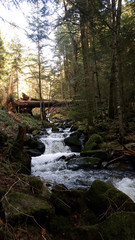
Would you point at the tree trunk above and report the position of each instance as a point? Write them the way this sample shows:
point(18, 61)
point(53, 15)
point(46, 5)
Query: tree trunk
point(112, 92)
point(116, 51)
point(88, 78)
point(42, 111)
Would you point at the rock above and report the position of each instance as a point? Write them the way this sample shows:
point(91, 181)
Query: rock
point(69, 157)
point(93, 142)
point(61, 208)
point(88, 218)
point(34, 146)
point(74, 142)
point(74, 199)
point(39, 187)
point(95, 153)
point(84, 163)
point(60, 226)
point(55, 129)
point(105, 199)
point(20, 206)
point(120, 225)
point(85, 233)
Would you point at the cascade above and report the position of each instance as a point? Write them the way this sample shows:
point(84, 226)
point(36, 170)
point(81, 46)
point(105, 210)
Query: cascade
point(52, 167)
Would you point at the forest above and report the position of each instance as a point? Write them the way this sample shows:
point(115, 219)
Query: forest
point(93, 58)
point(68, 66)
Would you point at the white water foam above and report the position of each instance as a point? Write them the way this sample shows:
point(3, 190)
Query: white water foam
point(127, 186)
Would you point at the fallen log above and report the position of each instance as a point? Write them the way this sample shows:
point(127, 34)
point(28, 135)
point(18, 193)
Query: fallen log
point(46, 104)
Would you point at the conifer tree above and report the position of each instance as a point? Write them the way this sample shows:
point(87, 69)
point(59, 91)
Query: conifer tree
point(38, 25)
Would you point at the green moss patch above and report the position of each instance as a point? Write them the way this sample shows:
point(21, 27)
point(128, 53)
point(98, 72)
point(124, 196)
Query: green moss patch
point(19, 206)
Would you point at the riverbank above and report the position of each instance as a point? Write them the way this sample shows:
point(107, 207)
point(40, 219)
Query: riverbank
point(29, 210)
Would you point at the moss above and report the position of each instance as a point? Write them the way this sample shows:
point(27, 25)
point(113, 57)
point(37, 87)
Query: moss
point(104, 199)
point(38, 187)
point(60, 225)
point(88, 218)
point(72, 200)
point(57, 116)
point(73, 140)
point(85, 232)
point(84, 163)
point(95, 153)
point(19, 206)
point(30, 122)
point(36, 184)
point(93, 142)
point(120, 225)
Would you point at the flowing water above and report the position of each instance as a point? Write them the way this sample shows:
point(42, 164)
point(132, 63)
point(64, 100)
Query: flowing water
point(52, 167)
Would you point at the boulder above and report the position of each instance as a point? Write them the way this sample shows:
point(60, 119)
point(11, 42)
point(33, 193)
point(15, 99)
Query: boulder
point(89, 232)
point(105, 199)
point(95, 153)
point(33, 146)
point(38, 187)
point(84, 163)
point(74, 142)
point(93, 142)
point(21, 206)
point(74, 200)
point(120, 225)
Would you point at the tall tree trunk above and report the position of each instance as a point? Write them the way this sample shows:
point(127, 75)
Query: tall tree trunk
point(116, 52)
point(88, 77)
point(112, 92)
point(42, 111)
point(112, 89)
point(67, 77)
point(40, 85)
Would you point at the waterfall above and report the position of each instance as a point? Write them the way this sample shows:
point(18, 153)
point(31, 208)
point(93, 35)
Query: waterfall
point(52, 167)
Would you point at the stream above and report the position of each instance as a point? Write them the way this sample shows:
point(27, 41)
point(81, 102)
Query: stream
point(52, 167)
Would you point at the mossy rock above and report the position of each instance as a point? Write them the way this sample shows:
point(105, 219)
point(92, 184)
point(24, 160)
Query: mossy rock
point(88, 218)
point(60, 226)
point(39, 187)
point(85, 233)
point(95, 153)
point(74, 142)
point(93, 142)
point(74, 200)
point(105, 199)
point(120, 225)
point(84, 163)
point(20, 206)
point(33, 146)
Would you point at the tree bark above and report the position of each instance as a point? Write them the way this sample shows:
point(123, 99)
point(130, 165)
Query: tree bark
point(116, 53)
point(88, 76)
